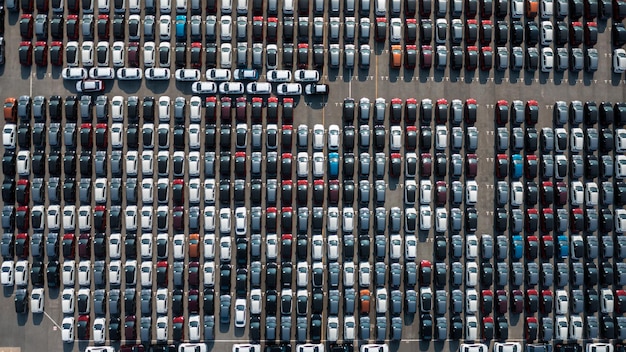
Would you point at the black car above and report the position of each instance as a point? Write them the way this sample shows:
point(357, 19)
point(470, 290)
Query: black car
point(21, 301)
point(53, 273)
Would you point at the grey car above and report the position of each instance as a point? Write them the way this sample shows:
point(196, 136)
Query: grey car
point(145, 329)
point(577, 301)
point(456, 220)
point(502, 139)
point(396, 302)
point(502, 274)
point(301, 328)
point(456, 301)
point(441, 300)
point(380, 191)
point(333, 302)
point(471, 139)
point(380, 161)
point(456, 168)
point(395, 275)
point(456, 192)
point(486, 246)
point(410, 302)
point(502, 193)
point(456, 274)
point(562, 274)
point(577, 274)
point(225, 309)
point(285, 328)
point(517, 274)
point(381, 328)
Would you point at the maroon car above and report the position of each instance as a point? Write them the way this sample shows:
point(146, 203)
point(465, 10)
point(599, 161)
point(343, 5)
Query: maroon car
point(84, 246)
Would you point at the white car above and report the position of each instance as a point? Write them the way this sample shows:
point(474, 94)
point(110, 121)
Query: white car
point(147, 169)
point(517, 194)
point(117, 135)
point(256, 301)
point(317, 247)
point(194, 191)
point(507, 346)
point(517, 9)
point(620, 166)
point(194, 329)
point(279, 76)
point(146, 274)
point(302, 168)
point(187, 75)
point(349, 272)
point(425, 217)
point(576, 327)
point(101, 73)
point(619, 60)
point(232, 88)
point(592, 194)
point(9, 135)
point(84, 218)
point(67, 301)
point(115, 245)
point(208, 270)
point(117, 54)
point(471, 247)
point(226, 53)
point(620, 140)
point(164, 108)
point(471, 278)
point(204, 88)
point(471, 189)
point(577, 139)
point(7, 273)
point(99, 334)
point(67, 330)
point(410, 247)
point(149, 54)
point(209, 246)
point(318, 164)
point(162, 296)
point(307, 76)
point(426, 189)
point(84, 273)
point(259, 88)
point(161, 323)
point(23, 163)
point(561, 327)
point(225, 249)
point(209, 191)
point(471, 301)
point(179, 247)
point(333, 247)
point(561, 303)
point(318, 137)
point(332, 334)
point(88, 86)
point(395, 247)
point(332, 221)
point(218, 75)
point(165, 27)
point(271, 246)
point(302, 274)
point(86, 53)
point(348, 219)
point(68, 275)
point(241, 221)
point(53, 217)
point(157, 74)
point(607, 301)
point(147, 185)
point(349, 328)
point(441, 219)
point(599, 347)
point(471, 329)
point(547, 33)
point(226, 24)
point(146, 238)
point(117, 108)
point(333, 137)
point(547, 59)
point(240, 312)
point(577, 193)
point(364, 274)
point(382, 300)
point(134, 74)
point(289, 89)
point(225, 220)
point(209, 218)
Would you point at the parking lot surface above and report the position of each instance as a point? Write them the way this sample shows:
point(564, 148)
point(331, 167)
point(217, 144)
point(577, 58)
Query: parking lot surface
point(449, 92)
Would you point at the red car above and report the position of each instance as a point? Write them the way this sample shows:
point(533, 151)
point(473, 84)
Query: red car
point(241, 109)
point(257, 29)
point(193, 276)
point(83, 327)
point(426, 57)
point(103, 26)
point(517, 301)
point(547, 247)
point(41, 54)
point(196, 55)
point(471, 31)
point(84, 246)
point(471, 165)
point(286, 136)
point(162, 273)
point(547, 220)
point(486, 304)
point(26, 26)
point(532, 246)
point(471, 57)
point(100, 218)
point(395, 163)
point(441, 195)
point(226, 110)
point(257, 109)
point(410, 110)
point(130, 328)
point(395, 110)
point(487, 328)
point(179, 218)
point(193, 300)
point(22, 218)
point(133, 54)
point(272, 29)
point(469, 111)
point(410, 138)
point(333, 192)
point(26, 53)
point(426, 163)
point(486, 58)
point(561, 193)
point(303, 55)
point(547, 193)
point(69, 246)
point(22, 245)
point(546, 301)
point(71, 27)
point(56, 53)
point(531, 329)
point(102, 136)
point(210, 105)
point(485, 32)
point(532, 112)
point(287, 110)
point(23, 192)
point(86, 135)
point(502, 166)
point(502, 112)
point(501, 301)
point(426, 269)
point(620, 305)
point(532, 301)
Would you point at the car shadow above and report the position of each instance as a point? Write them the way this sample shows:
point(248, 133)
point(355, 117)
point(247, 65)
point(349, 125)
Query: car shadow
point(37, 318)
point(157, 87)
point(8, 291)
point(26, 72)
point(129, 86)
point(616, 79)
point(22, 319)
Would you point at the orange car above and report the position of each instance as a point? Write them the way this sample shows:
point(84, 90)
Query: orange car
point(532, 6)
point(10, 110)
point(194, 245)
point(396, 56)
point(364, 297)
